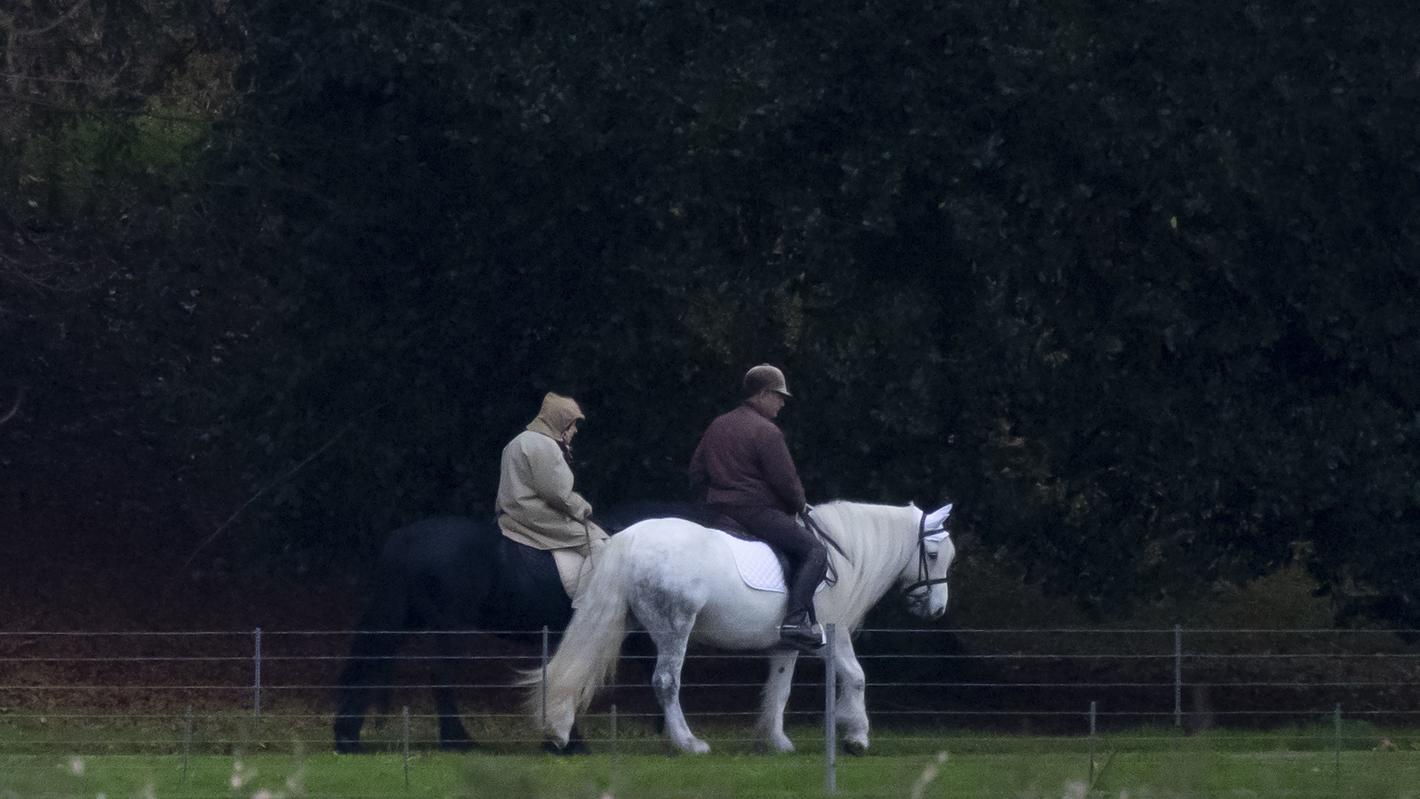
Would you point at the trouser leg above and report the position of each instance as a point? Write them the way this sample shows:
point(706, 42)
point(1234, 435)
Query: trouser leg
point(808, 559)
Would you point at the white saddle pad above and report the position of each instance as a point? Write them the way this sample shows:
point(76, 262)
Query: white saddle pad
point(757, 565)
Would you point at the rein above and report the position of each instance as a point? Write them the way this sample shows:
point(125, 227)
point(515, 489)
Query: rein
point(831, 578)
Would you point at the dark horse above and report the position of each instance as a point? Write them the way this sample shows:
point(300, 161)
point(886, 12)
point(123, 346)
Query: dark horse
point(452, 574)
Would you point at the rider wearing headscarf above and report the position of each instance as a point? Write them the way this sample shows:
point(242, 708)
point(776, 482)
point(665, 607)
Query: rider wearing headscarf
point(537, 505)
point(742, 469)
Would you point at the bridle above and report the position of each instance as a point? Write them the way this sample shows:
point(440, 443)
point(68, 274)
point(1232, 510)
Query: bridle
point(924, 533)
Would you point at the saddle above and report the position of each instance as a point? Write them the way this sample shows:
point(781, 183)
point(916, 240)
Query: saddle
point(732, 528)
point(626, 514)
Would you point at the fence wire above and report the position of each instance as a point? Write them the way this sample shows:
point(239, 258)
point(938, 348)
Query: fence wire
point(130, 696)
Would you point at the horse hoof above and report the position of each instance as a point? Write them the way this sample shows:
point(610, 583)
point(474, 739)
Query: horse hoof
point(695, 747)
point(775, 746)
point(855, 747)
point(348, 746)
point(570, 748)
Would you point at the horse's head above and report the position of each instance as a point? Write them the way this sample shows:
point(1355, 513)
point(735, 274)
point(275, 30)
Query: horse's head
point(924, 577)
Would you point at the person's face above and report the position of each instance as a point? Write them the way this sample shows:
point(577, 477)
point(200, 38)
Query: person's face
point(570, 432)
point(769, 403)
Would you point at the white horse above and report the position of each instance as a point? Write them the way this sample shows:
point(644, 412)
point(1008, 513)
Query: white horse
point(680, 581)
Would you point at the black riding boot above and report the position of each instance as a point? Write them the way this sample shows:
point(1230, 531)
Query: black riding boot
point(799, 629)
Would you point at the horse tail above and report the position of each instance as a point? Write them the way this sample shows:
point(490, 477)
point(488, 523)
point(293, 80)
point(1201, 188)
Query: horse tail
point(587, 654)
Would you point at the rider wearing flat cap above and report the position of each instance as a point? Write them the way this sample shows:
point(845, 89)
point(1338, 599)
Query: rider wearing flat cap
point(742, 469)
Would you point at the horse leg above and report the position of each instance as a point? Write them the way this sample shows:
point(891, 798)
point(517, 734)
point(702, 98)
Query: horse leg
point(669, 628)
point(453, 736)
point(368, 665)
point(451, 601)
point(642, 653)
point(769, 732)
point(852, 712)
point(370, 662)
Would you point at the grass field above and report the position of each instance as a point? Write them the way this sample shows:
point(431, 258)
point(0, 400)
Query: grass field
point(1154, 774)
point(1140, 763)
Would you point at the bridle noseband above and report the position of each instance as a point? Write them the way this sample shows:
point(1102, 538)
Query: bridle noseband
point(923, 534)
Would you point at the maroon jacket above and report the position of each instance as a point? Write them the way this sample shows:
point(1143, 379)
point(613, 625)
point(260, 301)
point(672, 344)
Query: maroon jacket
point(742, 460)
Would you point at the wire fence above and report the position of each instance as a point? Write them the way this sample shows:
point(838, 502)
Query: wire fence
point(1080, 692)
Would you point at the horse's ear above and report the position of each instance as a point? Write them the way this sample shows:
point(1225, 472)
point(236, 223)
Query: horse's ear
point(938, 518)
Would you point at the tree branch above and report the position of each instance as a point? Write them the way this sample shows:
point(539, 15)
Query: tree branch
point(43, 29)
point(14, 409)
point(275, 482)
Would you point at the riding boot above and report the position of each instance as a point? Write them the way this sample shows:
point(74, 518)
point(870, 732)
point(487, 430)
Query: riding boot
point(799, 632)
point(800, 629)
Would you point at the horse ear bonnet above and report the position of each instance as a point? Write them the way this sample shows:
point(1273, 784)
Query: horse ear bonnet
point(937, 519)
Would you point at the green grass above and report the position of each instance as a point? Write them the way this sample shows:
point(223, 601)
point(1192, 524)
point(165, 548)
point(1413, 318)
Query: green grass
point(1181, 773)
point(1136, 763)
point(438, 775)
point(1354, 775)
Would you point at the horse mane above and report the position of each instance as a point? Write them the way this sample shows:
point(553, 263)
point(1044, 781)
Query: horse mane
point(877, 545)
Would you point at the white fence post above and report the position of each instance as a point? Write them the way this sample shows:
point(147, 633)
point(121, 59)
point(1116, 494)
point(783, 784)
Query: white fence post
point(830, 716)
point(186, 744)
point(615, 755)
point(1336, 735)
point(406, 746)
point(1177, 675)
point(1091, 781)
point(256, 674)
point(544, 679)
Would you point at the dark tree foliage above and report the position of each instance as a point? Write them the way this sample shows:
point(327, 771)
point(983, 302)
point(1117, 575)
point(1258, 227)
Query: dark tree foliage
point(109, 270)
point(628, 203)
point(1195, 327)
point(1130, 282)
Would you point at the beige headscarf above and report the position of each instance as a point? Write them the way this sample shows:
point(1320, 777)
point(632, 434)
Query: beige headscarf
point(557, 414)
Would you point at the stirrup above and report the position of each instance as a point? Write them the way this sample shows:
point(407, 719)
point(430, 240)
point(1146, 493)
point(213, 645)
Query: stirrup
point(803, 637)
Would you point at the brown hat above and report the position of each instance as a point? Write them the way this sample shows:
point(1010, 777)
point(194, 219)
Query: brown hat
point(559, 412)
point(765, 378)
